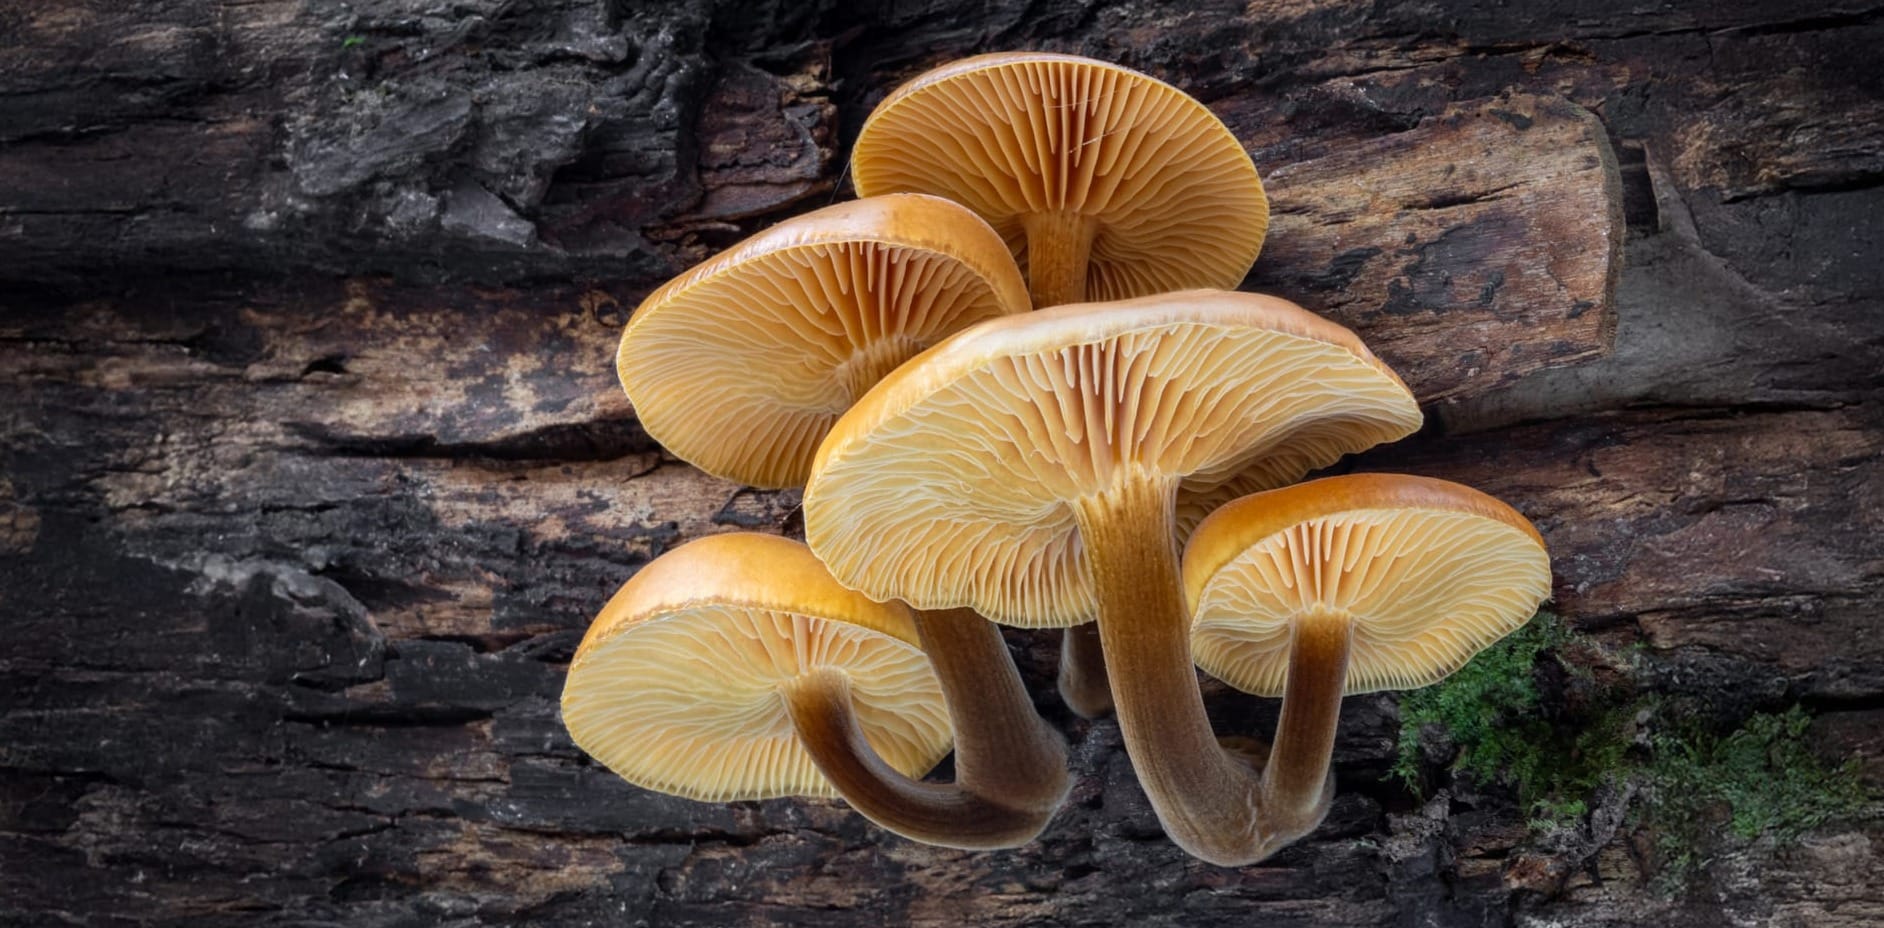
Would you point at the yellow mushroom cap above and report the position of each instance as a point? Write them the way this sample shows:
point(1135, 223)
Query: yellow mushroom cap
point(1429, 573)
point(742, 364)
point(1175, 197)
point(952, 482)
point(677, 685)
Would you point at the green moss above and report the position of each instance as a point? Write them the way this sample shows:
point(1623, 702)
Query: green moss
point(1491, 709)
point(1760, 779)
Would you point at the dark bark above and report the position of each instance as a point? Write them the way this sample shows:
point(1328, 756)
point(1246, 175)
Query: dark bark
point(291, 565)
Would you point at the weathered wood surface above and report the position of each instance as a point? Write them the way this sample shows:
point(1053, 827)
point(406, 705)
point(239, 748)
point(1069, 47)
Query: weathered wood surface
point(489, 153)
point(291, 567)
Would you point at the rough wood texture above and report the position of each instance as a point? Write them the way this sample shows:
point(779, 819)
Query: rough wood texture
point(291, 565)
point(486, 150)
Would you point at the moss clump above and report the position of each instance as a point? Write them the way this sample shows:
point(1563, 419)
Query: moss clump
point(1492, 709)
point(1762, 778)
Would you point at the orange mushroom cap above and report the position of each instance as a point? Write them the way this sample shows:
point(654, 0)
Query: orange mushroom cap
point(952, 482)
point(1163, 190)
point(1428, 573)
point(678, 685)
point(741, 365)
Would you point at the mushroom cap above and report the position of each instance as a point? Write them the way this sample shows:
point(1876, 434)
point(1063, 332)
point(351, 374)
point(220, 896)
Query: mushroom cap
point(677, 685)
point(1176, 198)
point(742, 364)
point(952, 483)
point(1429, 572)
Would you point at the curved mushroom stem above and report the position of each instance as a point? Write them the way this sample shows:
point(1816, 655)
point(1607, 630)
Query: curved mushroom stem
point(1211, 803)
point(1010, 767)
point(1059, 247)
point(1083, 683)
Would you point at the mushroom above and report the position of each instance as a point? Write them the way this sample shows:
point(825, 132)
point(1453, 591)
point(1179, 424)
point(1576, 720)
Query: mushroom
point(741, 365)
point(1351, 585)
point(1028, 468)
point(1107, 184)
point(736, 667)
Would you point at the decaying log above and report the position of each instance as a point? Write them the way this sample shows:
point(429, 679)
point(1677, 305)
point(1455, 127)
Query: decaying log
point(282, 638)
point(1492, 228)
point(291, 563)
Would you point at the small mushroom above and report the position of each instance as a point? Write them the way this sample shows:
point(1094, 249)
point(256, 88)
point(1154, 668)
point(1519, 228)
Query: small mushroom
point(1106, 183)
point(1028, 468)
point(735, 667)
point(1351, 585)
point(741, 365)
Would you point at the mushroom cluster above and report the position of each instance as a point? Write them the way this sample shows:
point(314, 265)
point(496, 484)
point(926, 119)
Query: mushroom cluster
point(1014, 385)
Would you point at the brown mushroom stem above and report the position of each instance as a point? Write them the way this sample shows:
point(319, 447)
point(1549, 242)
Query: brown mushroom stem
point(1298, 782)
point(1010, 767)
point(1003, 748)
point(1209, 801)
point(1059, 245)
point(1083, 684)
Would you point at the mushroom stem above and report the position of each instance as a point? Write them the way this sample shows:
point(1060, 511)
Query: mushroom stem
point(1297, 782)
point(1083, 684)
point(1010, 767)
point(1059, 245)
point(1003, 748)
point(1208, 800)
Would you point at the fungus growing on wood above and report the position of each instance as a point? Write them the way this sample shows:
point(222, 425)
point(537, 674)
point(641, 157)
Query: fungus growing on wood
point(1028, 468)
point(1350, 585)
point(741, 365)
point(736, 667)
point(1106, 183)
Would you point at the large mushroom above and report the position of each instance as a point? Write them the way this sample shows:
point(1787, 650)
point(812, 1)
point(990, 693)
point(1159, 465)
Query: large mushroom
point(1107, 184)
point(735, 667)
point(1028, 468)
point(1350, 585)
point(742, 364)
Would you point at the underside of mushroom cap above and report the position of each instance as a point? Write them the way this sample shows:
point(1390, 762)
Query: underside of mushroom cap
point(1175, 200)
point(952, 482)
point(741, 365)
point(677, 686)
point(1427, 572)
